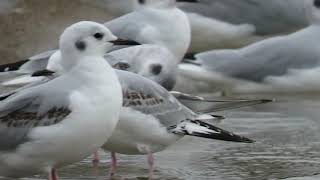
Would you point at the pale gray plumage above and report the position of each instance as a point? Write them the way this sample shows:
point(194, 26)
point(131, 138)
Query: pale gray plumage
point(149, 98)
point(269, 17)
point(149, 25)
point(28, 109)
point(271, 57)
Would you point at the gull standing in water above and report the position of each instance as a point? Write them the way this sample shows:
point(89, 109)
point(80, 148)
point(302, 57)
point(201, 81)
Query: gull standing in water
point(289, 63)
point(152, 119)
point(64, 120)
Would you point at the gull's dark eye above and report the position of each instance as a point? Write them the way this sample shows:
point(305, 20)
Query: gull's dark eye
point(156, 69)
point(317, 3)
point(142, 1)
point(98, 36)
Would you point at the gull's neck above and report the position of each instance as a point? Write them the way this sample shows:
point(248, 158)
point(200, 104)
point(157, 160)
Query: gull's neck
point(93, 70)
point(162, 5)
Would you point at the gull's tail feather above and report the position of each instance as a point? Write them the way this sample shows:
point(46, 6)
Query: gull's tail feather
point(215, 105)
point(13, 66)
point(233, 105)
point(11, 70)
point(20, 81)
point(189, 56)
point(210, 118)
point(199, 128)
point(23, 67)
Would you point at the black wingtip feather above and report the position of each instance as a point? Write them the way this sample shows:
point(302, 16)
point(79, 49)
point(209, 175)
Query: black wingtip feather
point(190, 56)
point(12, 66)
point(223, 135)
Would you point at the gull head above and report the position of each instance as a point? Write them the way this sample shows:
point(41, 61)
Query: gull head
point(158, 64)
point(312, 9)
point(161, 3)
point(164, 73)
point(86, 38)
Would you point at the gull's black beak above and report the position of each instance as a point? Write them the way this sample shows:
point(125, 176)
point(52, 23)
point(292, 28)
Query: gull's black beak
point(188, 1)
point(124, 42)
point(44, 72)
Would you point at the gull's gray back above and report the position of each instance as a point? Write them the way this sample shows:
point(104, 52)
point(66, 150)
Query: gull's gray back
point(129, 26)
point(271, 57)
point(150, 98)
point(269, 17)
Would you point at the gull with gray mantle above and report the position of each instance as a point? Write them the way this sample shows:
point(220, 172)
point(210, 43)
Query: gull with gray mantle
point(41, 126)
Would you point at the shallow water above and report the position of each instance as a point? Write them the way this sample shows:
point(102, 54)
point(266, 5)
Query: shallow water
point(287, 147)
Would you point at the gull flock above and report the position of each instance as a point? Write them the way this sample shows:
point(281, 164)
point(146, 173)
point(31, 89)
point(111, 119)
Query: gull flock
point(110, 85)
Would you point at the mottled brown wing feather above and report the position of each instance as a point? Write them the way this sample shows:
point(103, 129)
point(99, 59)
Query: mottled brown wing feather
point(135, 99)
point(21, 118)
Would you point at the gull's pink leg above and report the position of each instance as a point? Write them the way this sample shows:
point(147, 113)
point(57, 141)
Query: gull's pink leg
point(113, 164)
point(151, 165)
point(96, 159)
point(53, 175)
point(95, 162)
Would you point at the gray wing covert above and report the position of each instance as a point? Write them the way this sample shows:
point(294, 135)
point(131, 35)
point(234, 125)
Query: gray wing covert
point(131, 27)
point(273, 57)
point(150, 98)
point(22, 112)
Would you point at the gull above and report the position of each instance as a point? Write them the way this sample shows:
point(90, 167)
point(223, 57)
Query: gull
point(41, 126)
point(167, 25)
point(152, 119)
point(269, 18)
point(286, 63)
point(157, 22)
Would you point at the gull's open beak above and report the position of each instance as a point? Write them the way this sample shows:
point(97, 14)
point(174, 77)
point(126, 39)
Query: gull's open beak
point(188, 1)
point(124, 42)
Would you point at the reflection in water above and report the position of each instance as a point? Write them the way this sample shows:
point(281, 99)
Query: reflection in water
point(287, 147)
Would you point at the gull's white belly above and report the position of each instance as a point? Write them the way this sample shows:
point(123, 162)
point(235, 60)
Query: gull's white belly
point(137, 133)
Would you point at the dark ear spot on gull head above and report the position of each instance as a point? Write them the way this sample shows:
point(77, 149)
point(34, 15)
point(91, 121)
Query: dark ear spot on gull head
point(142, 1)
point(188, 1)
point(316, 3)
point(80, 45)
point(156, 69)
